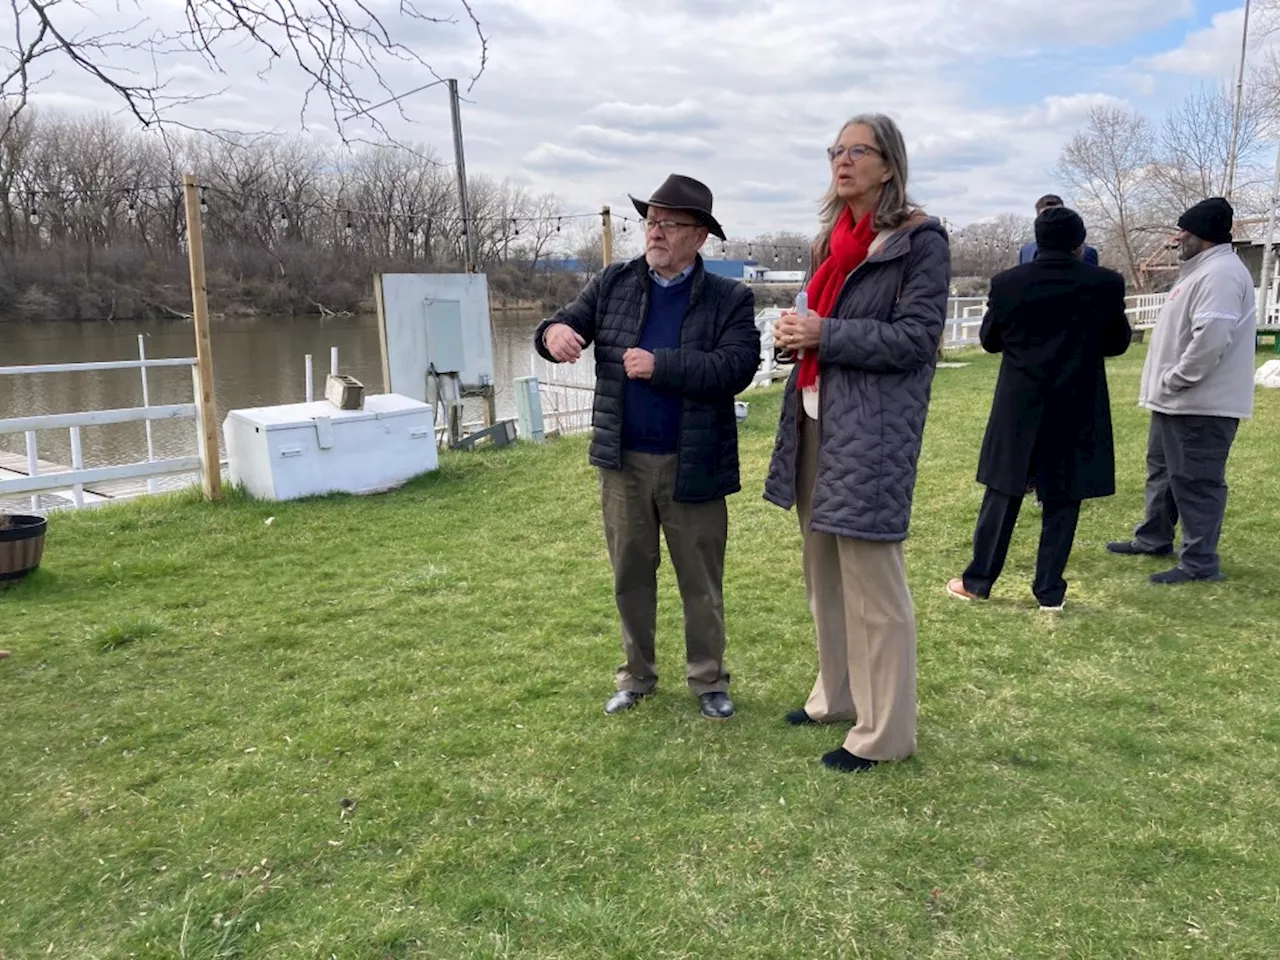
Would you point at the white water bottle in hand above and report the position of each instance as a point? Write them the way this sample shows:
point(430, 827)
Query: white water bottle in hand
point(802, 310)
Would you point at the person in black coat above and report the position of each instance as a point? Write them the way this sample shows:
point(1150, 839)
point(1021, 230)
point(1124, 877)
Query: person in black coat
point(1054, 319)
point(673, 345)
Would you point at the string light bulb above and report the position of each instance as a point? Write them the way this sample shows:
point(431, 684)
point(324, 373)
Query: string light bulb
point(204, 201)
point(34, 217)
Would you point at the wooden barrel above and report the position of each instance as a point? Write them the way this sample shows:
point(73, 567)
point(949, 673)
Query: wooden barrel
point(21, 544)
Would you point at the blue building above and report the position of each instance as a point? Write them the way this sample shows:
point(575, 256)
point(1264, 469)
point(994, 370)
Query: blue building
point(734, 269)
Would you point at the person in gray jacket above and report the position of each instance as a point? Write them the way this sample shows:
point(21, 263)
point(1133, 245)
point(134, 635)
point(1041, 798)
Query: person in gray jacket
point(849, 437)
point(1198, 384)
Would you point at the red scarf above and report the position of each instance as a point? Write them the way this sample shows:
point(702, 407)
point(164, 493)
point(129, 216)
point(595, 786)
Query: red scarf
point(849, 247)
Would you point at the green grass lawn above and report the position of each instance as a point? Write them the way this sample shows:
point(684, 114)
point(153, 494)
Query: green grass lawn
point(374, 728)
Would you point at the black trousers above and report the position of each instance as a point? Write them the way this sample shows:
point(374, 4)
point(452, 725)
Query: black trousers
point(996, 520)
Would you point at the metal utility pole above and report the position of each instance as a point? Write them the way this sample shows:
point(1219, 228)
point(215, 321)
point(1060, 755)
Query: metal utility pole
point(464, 208)
point(1235, 120)
point(1268, 252)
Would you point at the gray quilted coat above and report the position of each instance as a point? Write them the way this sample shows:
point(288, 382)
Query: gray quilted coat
point(878, 354)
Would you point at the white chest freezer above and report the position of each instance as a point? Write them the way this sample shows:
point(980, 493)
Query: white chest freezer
point(304, 449)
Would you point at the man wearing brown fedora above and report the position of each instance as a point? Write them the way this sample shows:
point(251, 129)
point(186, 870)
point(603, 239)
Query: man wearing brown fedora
point(674, 345)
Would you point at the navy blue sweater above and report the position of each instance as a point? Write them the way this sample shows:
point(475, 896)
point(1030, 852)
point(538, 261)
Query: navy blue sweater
point(651, 418)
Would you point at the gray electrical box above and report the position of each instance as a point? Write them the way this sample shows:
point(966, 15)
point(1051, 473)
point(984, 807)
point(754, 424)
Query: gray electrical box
point(446, 350)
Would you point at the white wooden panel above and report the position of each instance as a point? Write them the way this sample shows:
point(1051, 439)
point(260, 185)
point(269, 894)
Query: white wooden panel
point(402, 327)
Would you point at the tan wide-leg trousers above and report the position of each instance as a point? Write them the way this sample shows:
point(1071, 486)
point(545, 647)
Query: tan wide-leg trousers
point(866, 626)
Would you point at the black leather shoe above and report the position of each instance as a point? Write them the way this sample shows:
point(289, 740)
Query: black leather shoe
point(1178, 575)
point(800, 718)
point(623, 700)
point(716, 706)
point(1131, 548)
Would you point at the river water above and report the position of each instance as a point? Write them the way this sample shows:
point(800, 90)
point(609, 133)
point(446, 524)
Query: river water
point(258, 362)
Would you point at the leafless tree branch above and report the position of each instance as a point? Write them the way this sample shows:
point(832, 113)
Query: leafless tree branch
point(345, 49)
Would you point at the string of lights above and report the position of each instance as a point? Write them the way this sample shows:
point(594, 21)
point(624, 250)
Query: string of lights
point(799, 250)
point(286, 209)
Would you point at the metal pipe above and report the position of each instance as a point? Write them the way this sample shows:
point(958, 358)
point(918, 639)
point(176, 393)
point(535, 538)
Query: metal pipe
point(33, 467)
point(1268, 252)
point(77, 463)
point(146, 402)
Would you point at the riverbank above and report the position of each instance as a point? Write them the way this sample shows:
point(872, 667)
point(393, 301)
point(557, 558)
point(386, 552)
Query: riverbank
point(137, 286)
point(372, 727)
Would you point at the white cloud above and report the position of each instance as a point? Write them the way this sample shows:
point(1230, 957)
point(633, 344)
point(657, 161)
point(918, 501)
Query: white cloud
point(1071, 111)
point(1210, 52)
point(565, 161)
point(684, 115)
point(594, 99)
point(654, 143)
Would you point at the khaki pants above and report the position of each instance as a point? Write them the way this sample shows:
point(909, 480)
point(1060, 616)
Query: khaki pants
point(866, 628)
point(638, 501)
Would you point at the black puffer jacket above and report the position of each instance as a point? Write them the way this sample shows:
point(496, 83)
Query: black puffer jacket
point(718, 356)
point(878, 354)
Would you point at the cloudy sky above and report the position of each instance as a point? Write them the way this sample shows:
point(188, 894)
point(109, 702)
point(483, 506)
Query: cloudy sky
point(595, 99)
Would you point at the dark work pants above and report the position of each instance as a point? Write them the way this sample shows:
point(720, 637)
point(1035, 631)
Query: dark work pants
point(996, 520)
point(1186, 481)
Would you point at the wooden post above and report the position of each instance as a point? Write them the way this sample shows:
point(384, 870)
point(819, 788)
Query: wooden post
point(212, 474)
point(607, 217)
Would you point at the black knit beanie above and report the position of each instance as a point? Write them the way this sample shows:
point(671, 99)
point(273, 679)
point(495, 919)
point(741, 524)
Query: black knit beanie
point(1059, 228)
point(1209, 220)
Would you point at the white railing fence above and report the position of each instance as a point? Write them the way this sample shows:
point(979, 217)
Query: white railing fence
point(1144, 309)
point(566, 391)
point(1272, 320)
point(69, 483)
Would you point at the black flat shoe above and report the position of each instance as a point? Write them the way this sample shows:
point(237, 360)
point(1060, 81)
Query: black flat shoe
point(799, 718)
point(846, 762)
point(1131, 548)
point(1178, 575)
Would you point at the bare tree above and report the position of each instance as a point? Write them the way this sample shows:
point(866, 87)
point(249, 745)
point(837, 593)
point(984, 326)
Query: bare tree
point(1109, 165)
point(985, 248)
point(1194, 141)
point(343, 49)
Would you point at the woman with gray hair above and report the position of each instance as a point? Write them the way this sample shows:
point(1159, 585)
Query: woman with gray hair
point(849, 437)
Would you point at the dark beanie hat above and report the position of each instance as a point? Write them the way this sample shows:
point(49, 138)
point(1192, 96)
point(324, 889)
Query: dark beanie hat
point(1209, 220)
point(1059, 228)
